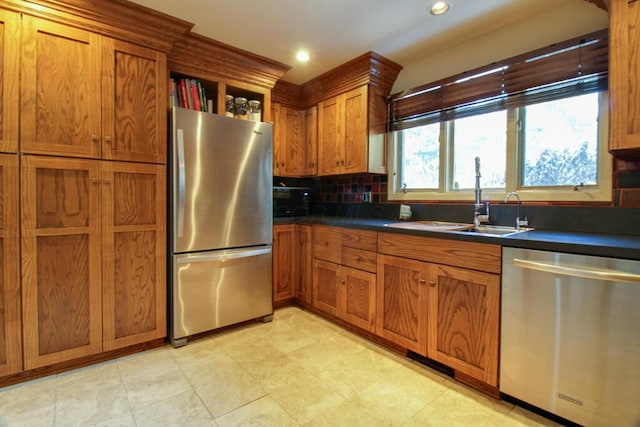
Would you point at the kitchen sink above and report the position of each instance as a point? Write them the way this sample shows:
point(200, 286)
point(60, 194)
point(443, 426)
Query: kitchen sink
point(448, 227)
point(497, 230)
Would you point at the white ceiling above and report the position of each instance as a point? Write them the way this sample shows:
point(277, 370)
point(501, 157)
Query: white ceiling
point(335, 31)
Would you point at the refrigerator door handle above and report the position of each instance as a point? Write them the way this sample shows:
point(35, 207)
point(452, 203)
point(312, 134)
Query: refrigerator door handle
point(222, 257)
point(181, 182)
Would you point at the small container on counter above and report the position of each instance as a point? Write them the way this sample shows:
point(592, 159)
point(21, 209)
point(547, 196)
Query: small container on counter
point(255, 112)
point(229, 108)
point(241, 108)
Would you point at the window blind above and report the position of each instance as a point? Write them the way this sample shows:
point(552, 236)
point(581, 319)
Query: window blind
point(572, 67)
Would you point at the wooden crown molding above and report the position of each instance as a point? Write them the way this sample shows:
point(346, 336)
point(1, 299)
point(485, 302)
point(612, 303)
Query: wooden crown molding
point(215, 58)
point(119, 19)
point(369, 68)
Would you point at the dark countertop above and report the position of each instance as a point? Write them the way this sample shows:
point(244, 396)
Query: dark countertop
point(597, 244)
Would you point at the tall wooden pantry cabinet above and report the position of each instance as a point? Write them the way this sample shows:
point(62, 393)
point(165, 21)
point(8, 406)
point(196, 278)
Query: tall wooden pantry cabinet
point(86, 91)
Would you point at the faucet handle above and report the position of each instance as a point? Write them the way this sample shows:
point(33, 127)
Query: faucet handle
point(483, 217)
point(522, 222)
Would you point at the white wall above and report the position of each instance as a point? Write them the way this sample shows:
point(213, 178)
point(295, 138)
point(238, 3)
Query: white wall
point(571, 20)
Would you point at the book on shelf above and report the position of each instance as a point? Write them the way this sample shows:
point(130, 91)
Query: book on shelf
point(188, 93)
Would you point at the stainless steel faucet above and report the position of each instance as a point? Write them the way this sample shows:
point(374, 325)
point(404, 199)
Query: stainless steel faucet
point(478, 215)
point(518, 221)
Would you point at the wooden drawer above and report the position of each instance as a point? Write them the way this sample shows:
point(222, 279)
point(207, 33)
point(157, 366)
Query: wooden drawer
point(360, 259)
point(476, 256)
point(327, 243)
point(360, 239)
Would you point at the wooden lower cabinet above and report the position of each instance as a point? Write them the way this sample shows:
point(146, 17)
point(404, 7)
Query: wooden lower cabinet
point(304, 250)
point(10, 310)
point(401, 314)
point(345, 292)
point(92, 257)
point(284, 261)
point(463, 321)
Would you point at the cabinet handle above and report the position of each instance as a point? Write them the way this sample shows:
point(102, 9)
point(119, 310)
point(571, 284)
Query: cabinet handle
point(95, 181)
point(107, 181)
point(432, 284)
point(95, 138)
point(422, 281)
point(108, 139)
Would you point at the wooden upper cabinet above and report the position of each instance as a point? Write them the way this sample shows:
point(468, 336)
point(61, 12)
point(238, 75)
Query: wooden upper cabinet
point(84, 95)
point(133, 253)
point(134, 103)
point(9, 80)
point(624, 77)
point(61, 285)
point(292, 157)
point(344, 144)
point(60, 90)
point(310, 145)
point(10, 310)
point(464, 317)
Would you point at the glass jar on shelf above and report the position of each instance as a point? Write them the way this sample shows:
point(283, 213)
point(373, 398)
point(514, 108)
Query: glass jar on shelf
point(255, 112)
point(229, 107)
point(241, 107)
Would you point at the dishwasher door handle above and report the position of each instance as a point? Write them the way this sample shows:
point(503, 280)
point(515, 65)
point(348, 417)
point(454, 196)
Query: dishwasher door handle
point(585, 273)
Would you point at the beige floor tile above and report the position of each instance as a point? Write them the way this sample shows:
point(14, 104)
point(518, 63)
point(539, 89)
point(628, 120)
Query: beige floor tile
point(123, 420)
point(347, 413)
point(82, 382)
point(263, 412)
point(143, 390)
point(306, 398)
point(100, 404)
point(418, 383)
point(204, 370)
point(275, 373)
point(146, 363)
point(40, 416)
point(229, 391)
point(387, 403)
point(520, 417)
point(317, 357)
point(250, 348)
point(27, 397)
point(453, 408)
point(184, 409)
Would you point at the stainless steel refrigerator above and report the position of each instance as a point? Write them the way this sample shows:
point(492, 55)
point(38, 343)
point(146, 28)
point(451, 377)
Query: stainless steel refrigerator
point(221, 222)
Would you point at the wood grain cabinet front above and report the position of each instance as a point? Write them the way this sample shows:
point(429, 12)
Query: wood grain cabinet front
point(284, 262)
point(624, 77)
point(463, 321)
point(92, 257)
point(9, 80)
point(10, 310)
point(86, 95)
point(304, 251)
point(294, 142)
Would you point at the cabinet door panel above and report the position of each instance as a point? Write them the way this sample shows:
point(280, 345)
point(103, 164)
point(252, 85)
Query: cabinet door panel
point(464, 320)
point(10, 311)
point(134, 253)
point(331, 137)
point(134, 99)
point(325, 286)
point(284, 259)
point(61, 298)
point(9, 80)
point(60, 90)
point(359, 298)
point(402, 302)
point(355, 131)
point(310, 146)
point(293, 141)
point(305, 263)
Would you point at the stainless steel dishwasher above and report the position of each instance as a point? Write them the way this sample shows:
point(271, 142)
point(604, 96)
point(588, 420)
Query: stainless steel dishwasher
point(570, 335)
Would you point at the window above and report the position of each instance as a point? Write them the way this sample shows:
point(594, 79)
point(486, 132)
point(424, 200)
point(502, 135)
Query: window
point(546, 138)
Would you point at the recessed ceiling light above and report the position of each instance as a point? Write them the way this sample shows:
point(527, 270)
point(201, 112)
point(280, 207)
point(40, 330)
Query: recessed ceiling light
point(438, 8)
point(302, 56)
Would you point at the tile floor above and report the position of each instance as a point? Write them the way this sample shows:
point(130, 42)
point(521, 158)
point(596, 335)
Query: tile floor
point(299, 370)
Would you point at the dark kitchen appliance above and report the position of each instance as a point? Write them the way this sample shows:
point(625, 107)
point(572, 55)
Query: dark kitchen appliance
point(291, 201)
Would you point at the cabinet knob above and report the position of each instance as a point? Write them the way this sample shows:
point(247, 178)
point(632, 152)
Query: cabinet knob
point(95, 180)
point(422, 281)
point(107, 181)
point(108, 139)
point(342, 162)
point(95, 138)
point(432, 284)
point(337, 162)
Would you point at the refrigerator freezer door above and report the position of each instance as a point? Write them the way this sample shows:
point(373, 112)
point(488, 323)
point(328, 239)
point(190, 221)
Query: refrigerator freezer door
point(220, 288)
point(222, 182)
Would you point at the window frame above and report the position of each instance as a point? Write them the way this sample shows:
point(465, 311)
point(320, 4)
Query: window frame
point(601, 192)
